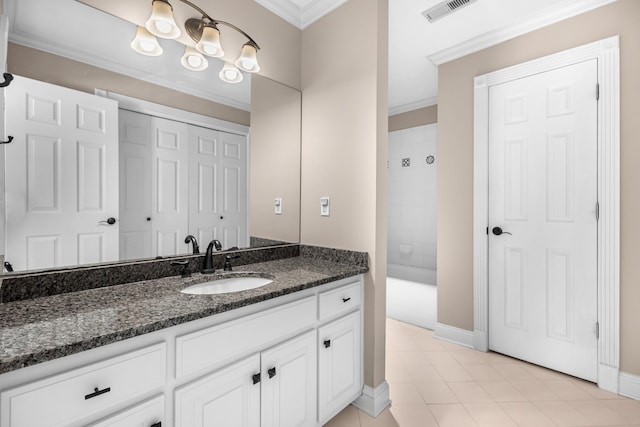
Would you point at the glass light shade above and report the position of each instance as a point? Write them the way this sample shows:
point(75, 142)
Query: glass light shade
point(161, 22)
point(193, 60)
point(230, 74)
point(209, 43)
point(146, 43)
point(248, 60)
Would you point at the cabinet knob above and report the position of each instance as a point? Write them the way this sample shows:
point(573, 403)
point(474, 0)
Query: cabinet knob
point(158, 424)
point(272, 372)
point(346, 299)
point(327, 343)
point(256, 378)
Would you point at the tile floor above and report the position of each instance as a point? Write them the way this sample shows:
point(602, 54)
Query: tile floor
point(437, 383)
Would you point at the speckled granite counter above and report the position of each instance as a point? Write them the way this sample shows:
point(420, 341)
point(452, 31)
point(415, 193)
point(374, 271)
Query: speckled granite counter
point(41, 329)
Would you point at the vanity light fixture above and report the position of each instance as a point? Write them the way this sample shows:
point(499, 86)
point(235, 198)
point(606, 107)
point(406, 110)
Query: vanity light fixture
point(206, 35)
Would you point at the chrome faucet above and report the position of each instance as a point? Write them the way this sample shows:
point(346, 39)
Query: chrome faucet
point(207, 263)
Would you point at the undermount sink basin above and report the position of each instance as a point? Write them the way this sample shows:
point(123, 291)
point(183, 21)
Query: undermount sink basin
point(223, 286)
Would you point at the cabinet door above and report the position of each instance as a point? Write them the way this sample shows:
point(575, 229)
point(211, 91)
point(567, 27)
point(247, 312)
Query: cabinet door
point(339, 364)
point(227, 398)
point(289, 383)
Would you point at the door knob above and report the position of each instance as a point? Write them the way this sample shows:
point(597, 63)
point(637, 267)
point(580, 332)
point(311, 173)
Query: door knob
point(109, 221)
point(498, 231)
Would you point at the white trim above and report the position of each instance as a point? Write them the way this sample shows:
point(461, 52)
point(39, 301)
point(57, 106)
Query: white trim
point(547, 17)
point(608, 378)
point(630, 385)
point(416, 105)
point(299, 17)
point(607, 53)
point(165, 112)
point(373, 401)
point(455, 335)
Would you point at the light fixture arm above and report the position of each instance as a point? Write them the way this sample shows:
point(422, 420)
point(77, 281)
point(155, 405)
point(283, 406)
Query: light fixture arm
point(195, 36)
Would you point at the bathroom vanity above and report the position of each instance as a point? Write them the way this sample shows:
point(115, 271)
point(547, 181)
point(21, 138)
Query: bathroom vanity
point(145, 354)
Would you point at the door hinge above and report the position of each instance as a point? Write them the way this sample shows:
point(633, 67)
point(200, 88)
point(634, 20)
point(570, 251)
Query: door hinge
point(597, 91)
point(597, 211)
point(597, 330)
point(487, 231)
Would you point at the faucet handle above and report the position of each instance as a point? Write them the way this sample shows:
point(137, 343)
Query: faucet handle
point(186, 271)
point(227, 262)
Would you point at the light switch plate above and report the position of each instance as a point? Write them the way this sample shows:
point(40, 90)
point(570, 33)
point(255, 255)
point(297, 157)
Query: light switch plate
point(324, 206)
point(277, 205)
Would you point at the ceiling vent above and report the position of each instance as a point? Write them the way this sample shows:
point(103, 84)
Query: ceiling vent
point(443, 9)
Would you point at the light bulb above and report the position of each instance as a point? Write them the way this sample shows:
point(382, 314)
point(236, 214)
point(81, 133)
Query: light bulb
point(146, 43)
point(161, 22)
point(209, 42)
point(230, 74)
point(193, 60)
point(248, 60)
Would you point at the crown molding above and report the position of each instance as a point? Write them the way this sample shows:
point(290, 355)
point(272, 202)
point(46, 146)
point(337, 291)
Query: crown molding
point(498, 36)
point(416, 105)
point(301, 17)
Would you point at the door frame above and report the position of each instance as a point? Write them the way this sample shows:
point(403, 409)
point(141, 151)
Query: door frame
point(607, 53)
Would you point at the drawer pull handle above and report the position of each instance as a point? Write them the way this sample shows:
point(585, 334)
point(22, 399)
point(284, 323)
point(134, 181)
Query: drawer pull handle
point(346, 299)
point(327, 344)
point(256, 378)
point(158, 424)
point(97, 392)
point(272, 372)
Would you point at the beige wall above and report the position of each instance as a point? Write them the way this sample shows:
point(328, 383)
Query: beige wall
point(46, 67)
point(344, 148)
point(410, 119)
point(275, 160)
point(455, 170)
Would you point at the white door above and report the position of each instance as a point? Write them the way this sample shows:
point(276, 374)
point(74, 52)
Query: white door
point(135, 185)
point(61, 172)
point(543, 195)
point(234, 216)
point(228, 398)
point(289, 383)
point(205, 184)
point(170, 187)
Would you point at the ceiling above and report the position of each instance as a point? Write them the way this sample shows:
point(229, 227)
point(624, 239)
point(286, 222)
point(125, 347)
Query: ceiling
point(416, 46)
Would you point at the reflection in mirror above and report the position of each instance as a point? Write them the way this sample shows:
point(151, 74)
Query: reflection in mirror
point(274, 169)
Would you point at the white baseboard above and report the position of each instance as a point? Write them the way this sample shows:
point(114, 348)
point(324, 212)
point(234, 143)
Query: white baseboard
point(373, 401)
point(630, 385)
point(455, 335)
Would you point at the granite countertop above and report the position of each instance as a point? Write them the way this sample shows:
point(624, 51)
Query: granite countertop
point(41, 329)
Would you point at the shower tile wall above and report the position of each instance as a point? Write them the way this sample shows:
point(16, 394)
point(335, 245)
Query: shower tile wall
point(412, 203)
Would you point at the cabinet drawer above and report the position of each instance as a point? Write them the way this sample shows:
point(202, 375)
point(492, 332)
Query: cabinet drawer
point(215, 346)
point(147, 414)
point(66, 398)
point(338, 301)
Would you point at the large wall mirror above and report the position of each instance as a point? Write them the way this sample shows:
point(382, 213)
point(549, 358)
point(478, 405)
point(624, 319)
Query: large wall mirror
point(88, 48)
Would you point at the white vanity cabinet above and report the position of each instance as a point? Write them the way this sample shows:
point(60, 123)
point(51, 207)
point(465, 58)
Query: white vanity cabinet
point(295, 360)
